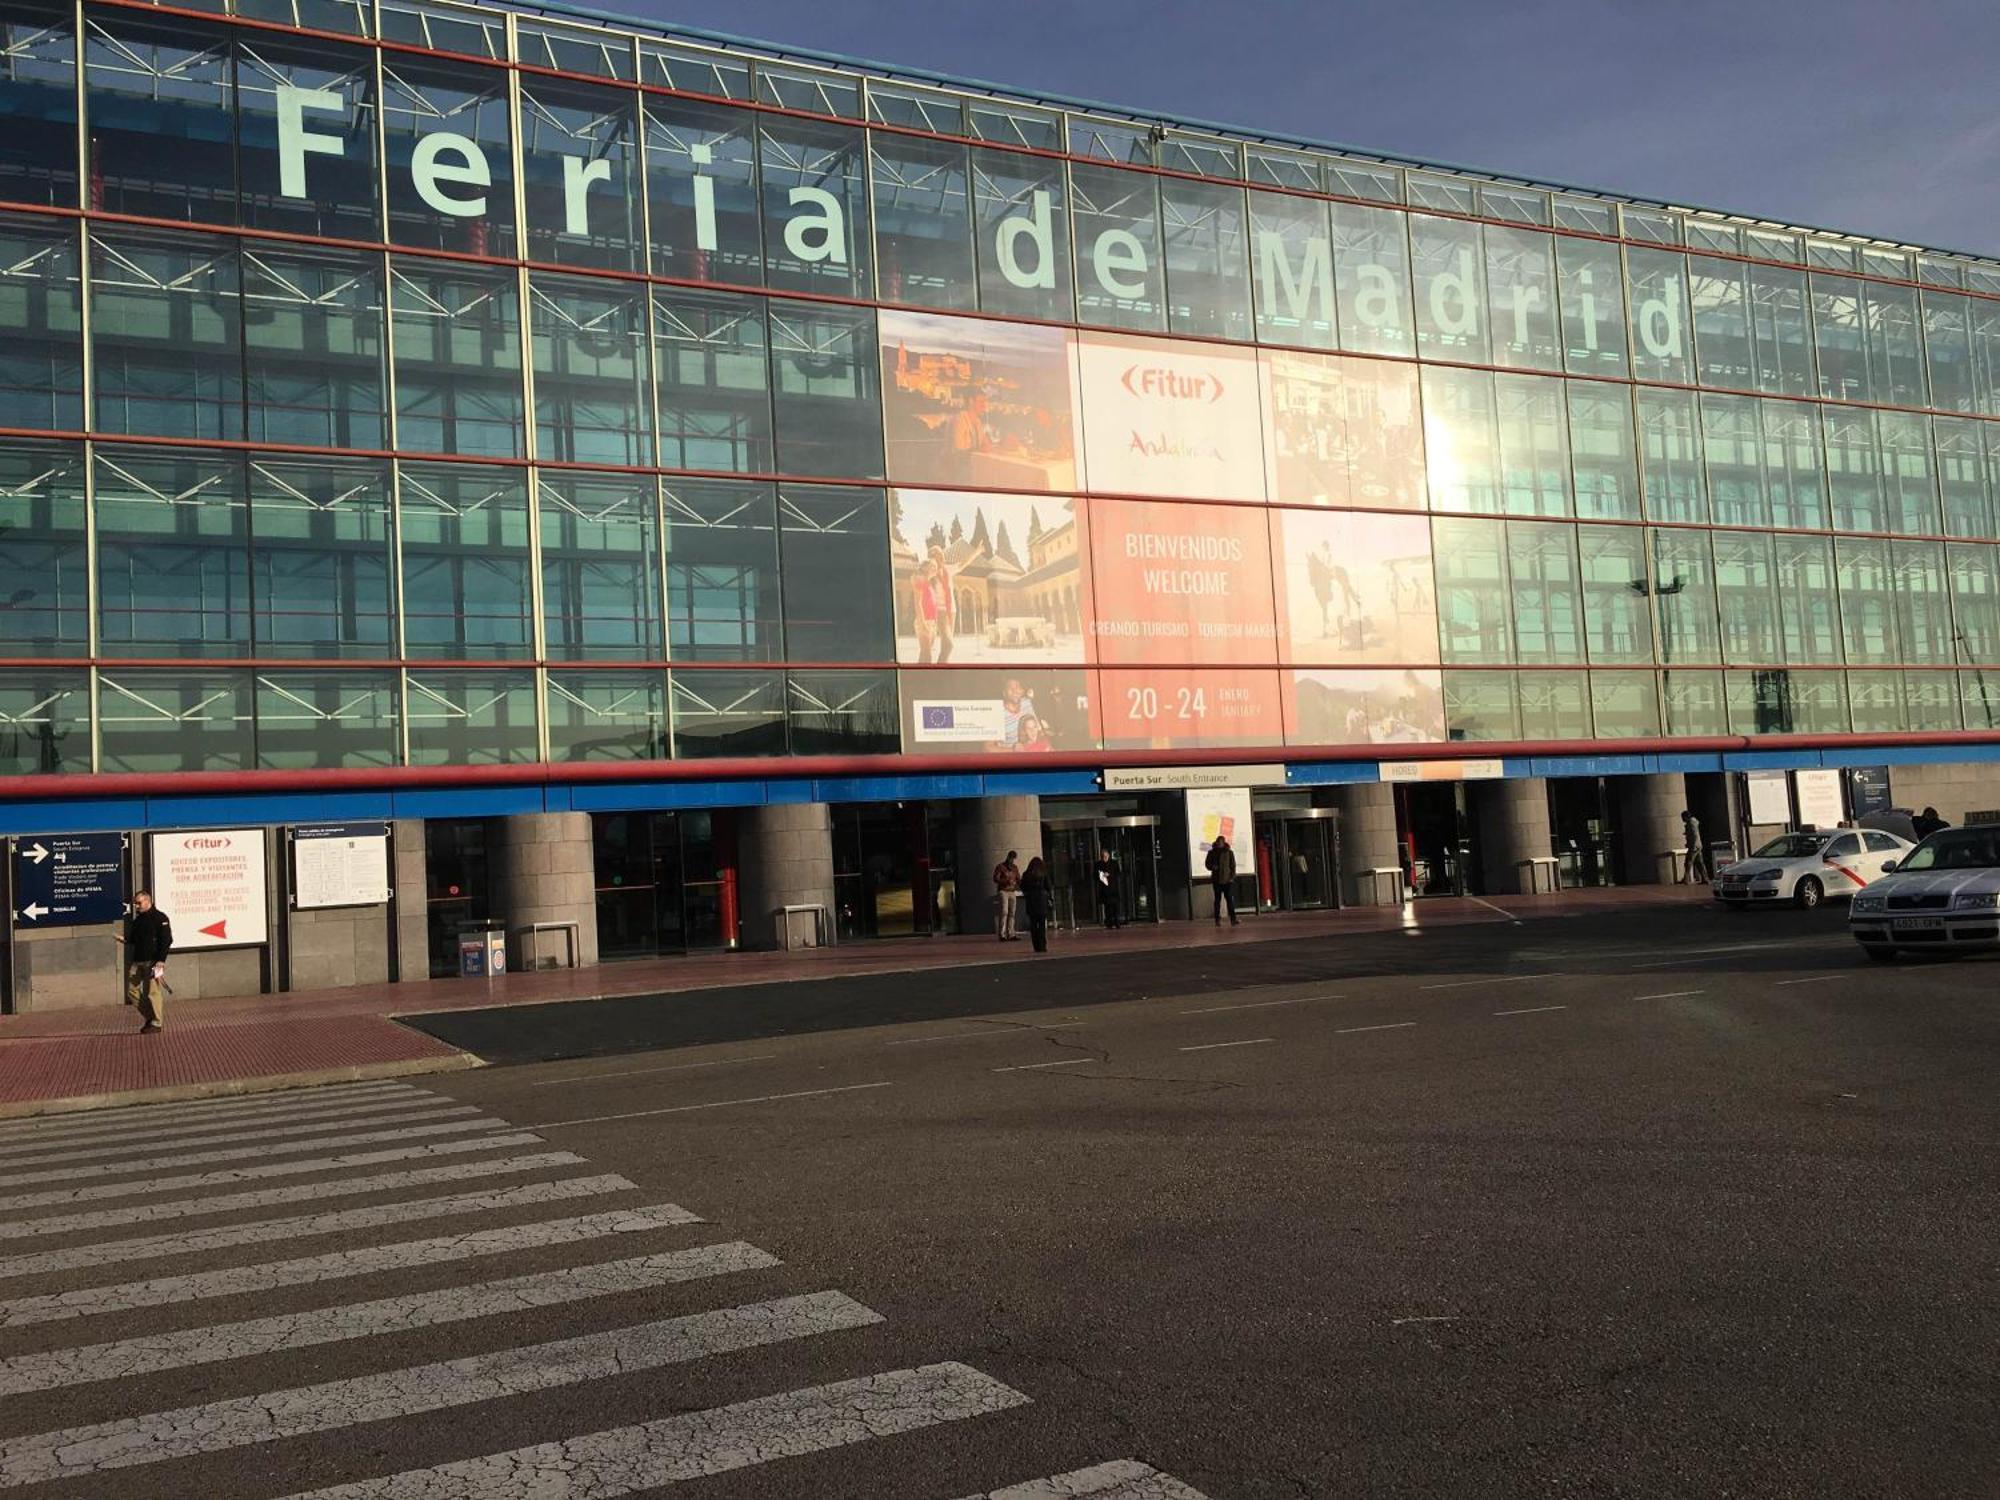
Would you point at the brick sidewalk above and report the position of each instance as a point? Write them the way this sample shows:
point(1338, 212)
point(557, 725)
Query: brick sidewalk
point(58, 1061)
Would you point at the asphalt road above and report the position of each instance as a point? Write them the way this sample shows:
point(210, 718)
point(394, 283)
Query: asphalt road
point(1674, 1203)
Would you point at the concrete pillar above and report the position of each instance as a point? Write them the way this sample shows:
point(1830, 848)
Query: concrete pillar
point(1368, 842)
point(543, 872)
point(987, 828)
point(784, 857)
point(409, 879)
point(1513, 823)
point(1649, 825)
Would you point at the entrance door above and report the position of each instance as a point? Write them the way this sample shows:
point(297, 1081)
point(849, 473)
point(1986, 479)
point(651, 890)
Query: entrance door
point(1432, 826)
point(888, 878)
point(1297, 857)
point(1580, 823)
point(1073, 847)
point(456, 886)
point(661, 883)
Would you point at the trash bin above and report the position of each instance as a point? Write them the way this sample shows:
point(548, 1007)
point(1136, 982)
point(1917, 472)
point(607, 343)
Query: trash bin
point(482, 953)
point(1720, 852)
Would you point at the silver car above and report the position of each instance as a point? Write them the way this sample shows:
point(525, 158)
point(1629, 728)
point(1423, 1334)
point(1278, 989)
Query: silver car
point(1807, 868)
point(1943, 897)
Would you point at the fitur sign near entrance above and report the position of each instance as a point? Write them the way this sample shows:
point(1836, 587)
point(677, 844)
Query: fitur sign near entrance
point(452, 174)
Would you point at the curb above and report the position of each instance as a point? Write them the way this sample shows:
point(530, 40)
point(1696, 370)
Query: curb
point(269, 1083)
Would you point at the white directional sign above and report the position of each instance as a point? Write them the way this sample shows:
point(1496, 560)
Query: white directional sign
point(211, 886)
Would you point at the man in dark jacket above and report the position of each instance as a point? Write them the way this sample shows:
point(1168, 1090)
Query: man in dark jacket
point(1221, 864)
point(1927, 823)
point(149, 938)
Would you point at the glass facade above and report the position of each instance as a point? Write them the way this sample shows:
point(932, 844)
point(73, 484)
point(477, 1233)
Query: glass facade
point(398, 384)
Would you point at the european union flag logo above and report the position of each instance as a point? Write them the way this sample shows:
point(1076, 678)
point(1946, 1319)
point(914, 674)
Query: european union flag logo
point(937, 716)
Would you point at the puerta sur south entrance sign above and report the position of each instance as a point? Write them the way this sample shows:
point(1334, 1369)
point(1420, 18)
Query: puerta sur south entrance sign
point(69, 879)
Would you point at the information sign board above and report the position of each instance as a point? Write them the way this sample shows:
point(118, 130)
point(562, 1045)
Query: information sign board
point(211, 886)
point(68, 879)
point(1214, 812)
point(1770, 798)
point(340, 864)
point(1819, 799)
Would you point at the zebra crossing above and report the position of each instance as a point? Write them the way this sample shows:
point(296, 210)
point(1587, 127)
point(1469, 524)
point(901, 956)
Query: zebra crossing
point(256, 1259)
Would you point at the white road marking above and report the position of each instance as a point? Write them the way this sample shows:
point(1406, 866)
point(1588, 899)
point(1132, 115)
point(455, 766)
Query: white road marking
point(1125, 1479)
point(1209, 1010)
point(1808, 979)
point(721, 1062)
point(1385, 1026)
point(1067, 1062)
point(104, 1190)
point(1476, 901)
point(1459, 984)
point(681, 1109)
point(302, 1192)
point(143, 1120)
point(40, 1457)
point(57, 1307)
point(624, 1460)
point(1532, 1010)
point(304, 1226)
point(209, 1136)
point(1707, 955)
point(151, 1353)
point(151, 1164)
point(1671, 995)
point(966, 1036)
point(1214, 1046)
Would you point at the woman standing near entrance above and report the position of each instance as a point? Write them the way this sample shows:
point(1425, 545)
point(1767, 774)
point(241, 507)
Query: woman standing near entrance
point(1036, 893)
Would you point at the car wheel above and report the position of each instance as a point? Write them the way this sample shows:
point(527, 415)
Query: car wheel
point(1879, 952)
point(1808, 893)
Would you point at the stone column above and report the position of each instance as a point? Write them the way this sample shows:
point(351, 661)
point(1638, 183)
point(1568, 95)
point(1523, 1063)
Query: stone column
point(987, 828)
point(784, 857)
point(543, 872)
point(409, 879)
point(1368, 842)
point(1513, 824)
point(1649, 825)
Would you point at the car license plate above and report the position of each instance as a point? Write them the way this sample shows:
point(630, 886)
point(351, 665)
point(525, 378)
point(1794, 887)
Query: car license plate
point(1918, 924)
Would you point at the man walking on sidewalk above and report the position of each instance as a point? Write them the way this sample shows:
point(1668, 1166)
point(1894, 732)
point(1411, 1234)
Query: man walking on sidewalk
point(1006, 893)
point(149, 938)
point(1222, 875)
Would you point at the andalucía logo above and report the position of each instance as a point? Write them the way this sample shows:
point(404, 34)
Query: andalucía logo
point(1171, 385)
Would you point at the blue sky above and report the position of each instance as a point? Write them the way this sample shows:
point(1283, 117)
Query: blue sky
point(1863, 115)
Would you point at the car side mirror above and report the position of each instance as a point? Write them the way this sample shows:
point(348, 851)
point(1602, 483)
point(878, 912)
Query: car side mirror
point(1888, 866)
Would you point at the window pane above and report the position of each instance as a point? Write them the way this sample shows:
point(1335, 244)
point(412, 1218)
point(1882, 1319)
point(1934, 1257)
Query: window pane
point(1118, 272)
point(160, 101)
point(722, 571)
point(322, 557)
point(1843, 353)
point(1593, 307)
point(1292, 257)
point(815, 184)
point(1450, 272)
point(728, 714)
point(701, 183)
point(1670, 456)
point(593, 375)
point(1482, 705)
point(607, 716)
point(1786, 702)
point(1624, 705)
point(828, 398)
point(1895, 346)
point(45, 559)
point(38, 148)
point(173, 553)
point(1659, 315)
point(600, 566)
point(1684, 587)
point(458, 358)
point(1343, 431)
point(1617, 607)
point(1930, 701)
point(1022, 235)
point(714, 382)
point(843, 713)
point(1909, 483)
point(838, 592)
point(1853, 471)
point(1534, 445)
point(332, 188)
point(1975, 600)
point(1461, 444)
point(1780, 332)
point(41, 326)
point(1867, 601)
point(1986, 354)
point(1744, 576)
point(1548, 608)
point(1948, 349)
point(176, 721)
point(1208, 267)
point(1601, 451)
point(1521, 293)
point(314, 347)
point(1554, 706)
point(580, 177)
point(1979, 696)
point(166, 335)
point(1807, 601)
point(466, 564)
point(923, 222)
point(44, 723)
point(1474, 621)
point(1695, 703)
point(1794, 474)
point(1371, 273)
point(1876, 701)
point(1923, 613)
point(1732, 441)
point(472, 718)
point(450, 188)
point(323, 721)
point(1721, 323)
point(1963, 477)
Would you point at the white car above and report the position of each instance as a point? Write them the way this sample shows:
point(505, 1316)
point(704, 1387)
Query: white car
point(1942, 897)
point(1806, 868)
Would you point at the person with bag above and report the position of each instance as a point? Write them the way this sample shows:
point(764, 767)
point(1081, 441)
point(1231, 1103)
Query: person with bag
point(148, 939)
point(1039, 895)
point(1221, 864)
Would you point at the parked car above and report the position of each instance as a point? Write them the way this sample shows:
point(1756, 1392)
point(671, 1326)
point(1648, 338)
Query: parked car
point(1806, 868)
point(1942, 897)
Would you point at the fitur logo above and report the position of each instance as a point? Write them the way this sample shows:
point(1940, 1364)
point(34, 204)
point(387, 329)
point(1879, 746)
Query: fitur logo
point(1171, 385)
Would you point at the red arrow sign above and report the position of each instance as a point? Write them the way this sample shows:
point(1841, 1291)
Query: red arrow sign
point(216, 929)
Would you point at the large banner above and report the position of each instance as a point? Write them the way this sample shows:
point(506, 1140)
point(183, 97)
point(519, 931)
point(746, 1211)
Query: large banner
point(1169, 708)
point(1355, 587)
point(1177, 583)
point(968, 401)
point(1363, 708)
point(976, 712)
point(1343, 431)
point(1218, 812)
point(1168, 417)
point(988, 578)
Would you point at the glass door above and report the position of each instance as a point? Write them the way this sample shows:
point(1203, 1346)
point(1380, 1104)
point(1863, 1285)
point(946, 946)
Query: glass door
point(1310, 853)
point(661, 880)
point(1580, 825)
point(456, 886)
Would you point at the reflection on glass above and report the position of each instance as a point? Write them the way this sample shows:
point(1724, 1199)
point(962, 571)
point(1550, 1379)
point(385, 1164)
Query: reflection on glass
point(607, 715)
point(471, 718)
point(325, 721)
point(1120, 283)
point(714, 382)
point(726, 714)
point(173, 553)
point(164, 722)
point(722, 571)
point(44, 723)
point(45, 563)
